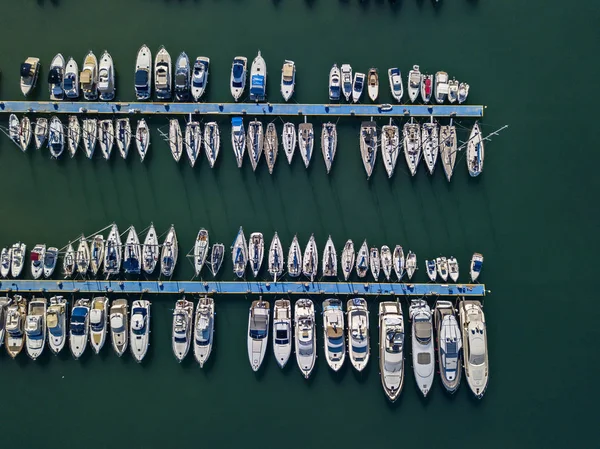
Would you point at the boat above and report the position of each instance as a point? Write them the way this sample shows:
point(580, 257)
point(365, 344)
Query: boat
point(56, 323)
point(442, 267)
point(255, 142)
point(98, 322)
point(463, 92)
point(474, 340)
point(390, 146)
point(56, 137)
point(169, 253)
point(373, 84)
point(25, 133)
point(37, 260)
point(358, 86)
point(16, 314)
point(82, 257)
point(414, 83)
point(123, 136)
point(411, 264)
point(238, 139)
point(193, 141)
point(56, 77)
point(50, 260)
point(88, 78)
point(143, 73)
point(132, 253)
point(35, 328)
point(239, 254)
point(175, 139)
point(475, 153)
point(258, 79)
point(310, 261)
point(73, 135)
point(333, 330)
point(276, 258)
point(106, 77)
point(5, 301)
point(5, 264)
point(426, 87)
point(348, 259)
point(335, 83)
point(282, 331)
point(294, 261)
point(347, 81)
point(441, 87)
point(398, 262)
point(97, 253)
point(288, 79)
point(71, 80)
point(181, 335)
point(271, 146)
point(448, 149)
point(358, 333)
point(113, 252)
point(200, 77)
point(305, 336)
point(162, 74)
point(40, 133)
point(14, 129)
point(256, 251)
point(396, 86)
point(329, 143)
point(150, 251)
point(449, 345)
point(391, 348)
point(30, 70)
point(431, 270)
point(374, 263)
point(68, 261)
point(385, 256)
point(204, 329)
point(306, 141)
point(362, 260)
point(18, 259)
point(200, 250)
point(289, 138)
point(142, 138)
point(258, 332)
point(212, 142)
point(453, 268)
point(237, 80)
point(368, 145)
point(106, 137)
point(79, 327)
point(217, 253)
point(430, 140)
point(140, 329)
point(119, 335)
point(476, 265)
point(422, 344)
point(90, 133)
point(452, 91)
point(412, 146)
point(329, 259)
point(182, 77)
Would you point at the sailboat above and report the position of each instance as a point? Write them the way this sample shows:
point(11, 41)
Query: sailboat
point(306, 141)
point(113, 252)
point(412, 146)
point(56, 137)
point(14, 129)
point(294, 261)
point(26, 133)
point(239, 254)
point(431, 145)
point(123, 136)
point(411, 264)
point(106, 136)
point(90, 133)
point(169, 253)
point(385, 256)
point(329, 259)
point(200, 250)
point(40, 133)
point(212, 142)
point(271, 146)
point(217, 253)
point(132, 253)
point(150, 251)
point(142, 138)
point(362, 260)
point(310, 260)
point(348, 259)
point(255, 142)
point(374, 263)
point(68, 261)
point(390, 146)
point(256, 251)
point(368, 145)
point(74, 134)
point(276, 258)
point(82, 257)
point(193, 141)
point(398, 262)
point(289, 138)
point(448, 149)
point(238, 139)
point(328, 143)
point(475, 153)
point(96, 253)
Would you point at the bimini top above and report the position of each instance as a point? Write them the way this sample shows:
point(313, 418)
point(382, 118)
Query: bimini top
point(258, 85)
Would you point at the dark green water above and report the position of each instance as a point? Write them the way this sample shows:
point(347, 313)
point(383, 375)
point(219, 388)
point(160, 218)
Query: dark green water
point(529, 214)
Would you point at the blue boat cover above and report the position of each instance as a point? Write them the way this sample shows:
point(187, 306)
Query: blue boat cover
point(236, 121)
point(258, 85)
point(238, 70)
point(80, 312)
point(141, 78)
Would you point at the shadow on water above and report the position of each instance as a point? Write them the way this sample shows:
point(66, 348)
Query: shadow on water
point(395, 5)
point(51, 2)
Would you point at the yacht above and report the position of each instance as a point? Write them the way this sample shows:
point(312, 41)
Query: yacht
point(139, 335)
point(18, 259)
point(391, 348)
point(294, 261)
point(475, 152)
point(182, 77)
point(431, 270)
point(200, 77)
point(150, 251)
point(239, 254)
point(89, 77)
point(132, 253)
point(237, 80)
point(82, 257)
point(288, 79)
point(16, 314)
point(40, 133)
point(431, 145)
point(282, 331)
point(368, 145)
point(200, 250)
point(123, 136)
point(71, 81)
point(358, 86)
point(441, 87)
point(258, 79)
point(334, 83)
point(333, 329)
point(255, 142)
point(217, 253)
point(426, 87)
point(56, 322)
point(463, 92)
point(329, 259)
point(74, 134)
point(289, 139)
point(142, 138)
point(422, 344)
point(37, 261)
point(442, 267)
point(256, 251)
point(310, 261)
point(411, 264)
point(106, 77)
point(390, 147)
point(476, 265)
point(453, 268)
point(398, 262)
point(90, 134)
point(6, 261)
point(414, 83)
point(449, 345)
point(119, 329)
point(14, 129)
point(97, 253)
point(182, 328)
point(347, 81)
point(56, 77)
point(169, 253)
point(5, 301)
point(362, 260)
point(204, 328)
point(448, 149)
point(143, 73)
point(98, 322)
point(306, 141)
point(79, 327)
point(474, 340)
point(396, 86)
point(30, 70)
point(329, 143)
point(258, 332)
point(358, 333)
point(238, 139)
point(193, 141)
point(35, 328)
point(271, 146)
point(348, 259)
point(56, 138)
point(305, 336)
point(452, 91)
point(374, 263)
point(386, 261)
point(106, 137)
point(412, 146)
point(212, 142)
point(50, 260)
point(162, 74)
point(276, 258)
point(69, 261)
point(113, 253)
point(373, 84)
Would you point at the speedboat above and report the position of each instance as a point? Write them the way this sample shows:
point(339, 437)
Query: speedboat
point(106, 77)
point(239, 254)
point(442, 267)
point(56, 323)
point(200, 250)
point(14, 129)
point(398, 262)
point(37, 261)
point(123, 136)
point(334, 83)
point(411, 264)
point(113, 252)
point(106, 137)
point(329, 259)
point(143, 73)
point(258, 332)
point(474, 340)
point(25, 135)
point(452, 90)
point(182, 77)
point(79, 327)
point(288, 79)
point(368, 145)
point(328, 143)
point(282, 331)
point(89, 77)
point(431, 270)
point(98, 322)
point(430, 144)
point(132, 253)
point(362, 260)
point(150, 251)
point(69, 261)
point(441, 87)
point(386, 261)
point(463, 92)
point(348, 259)
point(310, 261)
point(256, 251)
point(97, 253)
point(140, 329)
point(276, 259)
point(333, 330)
point(475, 152)
point(170, 251)
point(56, 77)
point(217, 253)
point(449, 345)
point(374, 263)
point(204, 328)
point(17, 259)
point(448, 149)
point(306, 141)
point(40, 133)
point(73, 134)
point(396, 86)
point(5, 301)
point(412, 146)
point(200, 77)
point(50, 260)
point(305, 336)
point(476, 265)
point(30, 70)
point(453, 268)
point(294, 261)
point(162, 74)
point(255, 142)
point(71, 81)
point(258, 79)
point(358, 86)
point(237, 80)
point(238, 139)
point(347, 81)
point(289, 139)
point(90, 133)
point(142, 138)
point(82, 257)
point(16, 314)
point(422, 344)
point(193, 141)
point(271, 146)
point(373, 84)
point(358, 333)
point(391, 348)
point(56, 137)
point(5, 264)
point(119, 335)
point(182, 328)
point(212, 142)
point(426, 87)
point(35, 328)
point(390, 146)
point(414, 83)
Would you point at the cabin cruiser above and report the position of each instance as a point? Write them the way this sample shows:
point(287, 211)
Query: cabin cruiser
point(5, 264)
point(16, 314)
point(89, 77)
point(329, 259)
point(255, 142)
point(113, 253)
point(162, 74)
point(362, 260)
point(90, 134)
point(441, 87)
point(238, 76)
point(50, 260)
point(463, 92)
point(414, 83)
point(142, 138)
point(182, 328)
point(374, 263)
point(475, 152)
point(449, 345)
point(98, 322)
point(396, 87)
point(347, 81)
point(426, 87)
point(106, 137)
point(79, 327)
point(212, 142)
point(448, 149)
point(334, 83)
point(288, 79)
point(200, 77)
point(56, 323)
point(204, 328)
point(182, 77)
point(271, 146)
point(123, 136)
point(30, 70)
point(193, 141)
point(238, 139)
point(329, 143)
point(258, 79)
point(150, 251)
point(239, 254)
point(56, 77)
point(442, 267)
point(390, 147)
point(56, 137)
point(348, 259)
point(71, 81)
point(18, 259)
point(74, 134)
point(40, 133)
point(276, 259)
point(175, 139)
point(200, 250)
point(358, 333)
point(140, 329)
point(306, 141)
point(37, 261)
point(119, 329)
point(431, 270)
point(391, 348)
point(143, 73)
point(431, 145)
point(82, 256)
point(294, 261)
point(373, 84)
point(5, 301)
point(289, 139)
point(282, 331)
point(474, 340)
point(358, 86)
point(170, 251)
point(310, 261)
point(258, 332)
point(452, 91)
point(217, 253)
point(333, 328)
point(453, 268)
point(422, 344)
point(305, 336)
point(69, 261)
point(399, 262)
point(386, 261)
point(256, 251)
point(35, 328)
point(476, 265)
point(106, 77)
point(97, 253)
point(368, 145)
point(412, 146)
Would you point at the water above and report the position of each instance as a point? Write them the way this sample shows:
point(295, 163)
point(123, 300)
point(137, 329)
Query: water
point(529, 214)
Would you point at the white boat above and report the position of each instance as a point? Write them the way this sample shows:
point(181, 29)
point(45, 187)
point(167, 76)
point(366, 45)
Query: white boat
point(163, 81)
point(40, 133)
point(56, 323)
point(347, 81)
point(430, 141)
point(271, 146)
point(106, 77)
point(329, 259)
point(56, 76)
point(193, 141)
point(348, 259)
point(441, 87)
point(14, 129)
point(16, 314)
point(50, 260)
point(181, 335)
point(239, 254)
point(212, 142)
point(96, 253)
point(200, 250)
point(391, 348)
point(358, 333)
point(306, 141)
point(255, 142)
point(411, 264)
point(256, 251)
point(119, 329)
point(30, 70)
point(98, 322)
point(358, 86)
point(453, 268)
point(204, 328)
point(182, 77)
point(431, 270)
point(175, 139)
point(142, 138)
point(73, 135)
point(123, 136)
point(386, 261)
point(169, 253)
point(82, 257)
point(289, 138)
point(79, 327)
point(139, 335)
point(398, 262)
point(288, 79)
point(441, 264)
point(368, 145)
point(294, 261)
point(26, 132)
point(258, 332)
point(88, 78)
point(328, 143)
point(375, 263)
point(333, 330)
point(5, 264)
point(412, 146)
point(17, 259)
point(69, 264)
point(463, 92)
point(143, 73)
point(200, 77)
point(106, 137)
point(237, 80)
point(37, 260)
point(217, 253)
point(5, 301)
point(282, 331)
point(113, 252)
point(373, 84)
point(362, 260)
point(449, 345)
point(453, 91)
point(390, 147)
point(305, 335)
point(238, 139)
point(335, 83)
point(258, 79)
point(35, 328)
point(90, 135)
point(422, 344)
point(150, 251)
point(71, 80)
point(56, 137)
point(426, 87)
point(474, 340)
point(414, 83)
point(475, 153)
point(132, 253)
point(396, 86)
point(276, 258)
point(310, 261)
point(476, 265)
point(448, 149)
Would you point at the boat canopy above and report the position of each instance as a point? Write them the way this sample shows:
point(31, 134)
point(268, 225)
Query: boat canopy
point(237, 121)
point(288, 72)
point(52, 319)
point(79, 312)
point(26, 69)
point(86, 77)
point(141, 78)
point(423, 330)
point(55, 76)
point(238, 69)
point(258, 85)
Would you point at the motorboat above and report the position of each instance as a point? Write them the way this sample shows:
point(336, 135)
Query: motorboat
point(358, 333)
point(113, 252)
point(35, 327)
point(106, 137)
point(414, 83)
point(14, 130)
point(123, 136)
point(348, 259)
point(98, 322)
point(56, 137)
point(390, 147)
point(453, 90)
point(426, 87)
point(169, 253)
point(412, 145)
point(448, 149)
point(335, 83)
point(18, 259)
point(453, 268)
point(212, 142)
point(358, 86)
point(82, 256)
point(310, 261)
point(368, 145)
point(30, 70)
point(143, 73)
point(396, 86)
point(374, 263)
point(258, 332)
point(200, 77)
point(391, 348)
point(106, 77)
point(5, 264)
point(16, 315)
point(441, 87)
point(90, 135)
point(139, 335)
point(256, 251)
point(150, 251)
point(50, 260)
point(56, 76)
point(71, 81)
point(282, 331)
point(56, 323)
point(474, 340)
point(431, 270)
point(333, 330)
point(362, 260)
point(449, 345)
point(328, 143)
point(237, 81)
point(430, 140)
point(182, 77)
point(204, 329)
point(255, 142)
point(239, 254)
point(258, 79)
point(271, 146)
point(142, 138)
point(373, 84)
point(132, 253)
point(476, 265)
point(40, 133)
point(79, 327)
point(162, 74)
point(411, 264)
point(69, 265)
point(288, 79)
point(347, 81)
point(193, 141)
point(217, 253)
point(398, 262)
point(385, 256)
point(97, 253)
point(119, 328)
point(5, 301)
point(329, 259)
point(422, 344)
point(88, 78)
point(200, 250)
point(289, 138)
point(306, 141)
point(238, 139)
point(182, 328)
point(463, 92)
point(73, 135)
point(276, 259)
point(37, 260)
point(442, 268)
point(294, 261)
point(305, 335)
point(475, 153)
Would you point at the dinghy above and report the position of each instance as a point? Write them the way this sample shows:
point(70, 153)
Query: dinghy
point(310, 261)
point(132, 253)
point(453, 268)
point(448, 149)
point(113, 252)
point(88, 77)
point(288, 79)
point(239, 254)
point(258, 79)
point(238, 139)
point(358, 333)
point(212, 142)
point(74, 134)
point(431, 270)
point(71, 81)
point(335, 83)
point(204, 328)
point(396, 87)
point(475, 349)
point(256, 251)
point(305, 336)
point(348, 259)
point(386, 261)
point(255, 142)
point(412, 145)
point(362, 260)
point(368, 145)
point(143, 73)
point(96, 253)
point(289, 138)
point(217, 253)
point(476, 265)
point(463, 92)
point(68, 262)
point(271, 146)
point(328, 143)
point(306, 141)
point(358, 86)
point(294, 261)
point(150, 251)
point(441, 87)
point(90, 133)
point(193, 141)
point(56, 137)
point(452, 91)
point(430, 142)
point(237, 80)
point(373, 84)
point(56, 77)
point(276, 258)
point(282, 331)
point(329, 259)
point(390, 146)
point(347, 81)
point(200, 77)
point(442, 268)
point(82, 257)
point(411, 264)
point(200, 250)
point(169, 253)
point(398, 262)
point(175, 139)
point(414, 83)
point(40, 133)
point(182, 77)
point(26, 132)
point(14, 129)
point(475, 151)
point(37, 261)
point(123, 136)
point(106, 136)
point(423, 356)
point(162, 74)
point(374, 263)
point(50, 260)
point(333, 330)
point(142, 138)
point(106, 77)
point(426, 87)
point(30, 70)
point(258, 332)
point(391, 348)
